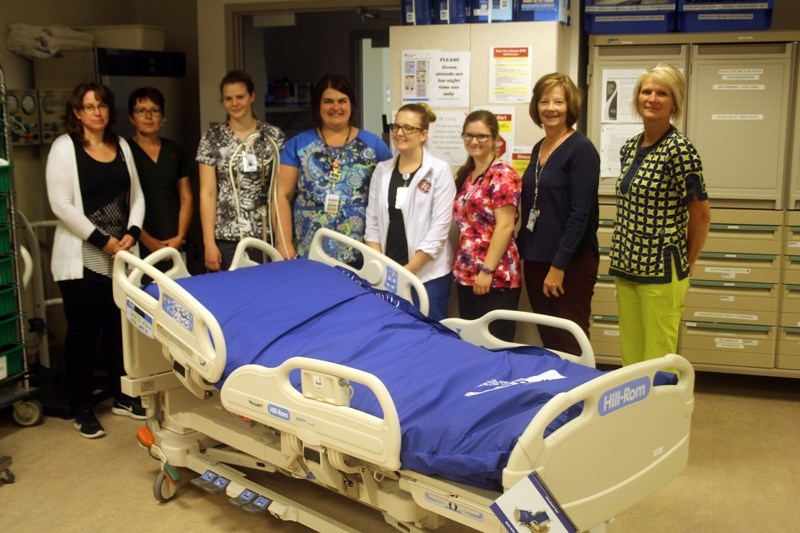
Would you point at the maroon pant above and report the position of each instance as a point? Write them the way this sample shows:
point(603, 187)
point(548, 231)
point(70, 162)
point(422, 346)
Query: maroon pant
point(575, 304)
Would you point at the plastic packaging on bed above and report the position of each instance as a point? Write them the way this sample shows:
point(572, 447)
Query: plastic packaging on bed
point(461, 407)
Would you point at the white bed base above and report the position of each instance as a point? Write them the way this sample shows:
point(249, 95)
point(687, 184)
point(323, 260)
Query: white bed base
point(596, 465)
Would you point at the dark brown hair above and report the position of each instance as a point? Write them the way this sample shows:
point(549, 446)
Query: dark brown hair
point(490, 120)
point(73, 124)
point(146, 93)
point(332, 81)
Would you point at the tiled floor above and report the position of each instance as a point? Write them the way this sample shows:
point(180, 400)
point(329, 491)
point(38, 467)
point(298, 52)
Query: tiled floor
point(743, 474)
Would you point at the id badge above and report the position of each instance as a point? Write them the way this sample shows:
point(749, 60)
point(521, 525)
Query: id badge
point(244, 224)
point(532, 216)
point(249, 163)
point(331, 203)
point(400, 198)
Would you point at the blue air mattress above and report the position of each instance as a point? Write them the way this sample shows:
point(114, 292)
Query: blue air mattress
point(461, 407)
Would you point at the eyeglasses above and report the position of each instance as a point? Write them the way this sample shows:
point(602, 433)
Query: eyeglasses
point(481, 137)
point(142, 111)
point(405, 127)
point(91, 108)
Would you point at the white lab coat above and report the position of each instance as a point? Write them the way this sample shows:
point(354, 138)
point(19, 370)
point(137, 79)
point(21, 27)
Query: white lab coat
point(64, 193)
point(427, 212)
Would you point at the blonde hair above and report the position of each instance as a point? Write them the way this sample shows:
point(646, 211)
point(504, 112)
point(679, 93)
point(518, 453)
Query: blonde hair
point(670, 77)
point(423, 111)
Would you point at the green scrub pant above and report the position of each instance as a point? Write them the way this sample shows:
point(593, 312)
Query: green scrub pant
point(649, 317)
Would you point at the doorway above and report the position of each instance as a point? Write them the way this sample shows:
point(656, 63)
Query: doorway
point(288, 52)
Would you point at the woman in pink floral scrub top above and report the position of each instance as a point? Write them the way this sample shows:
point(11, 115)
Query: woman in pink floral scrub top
point(487, 263)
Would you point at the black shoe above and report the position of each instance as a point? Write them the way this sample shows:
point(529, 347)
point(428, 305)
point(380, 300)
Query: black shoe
point(129, 407)
point(87, 425)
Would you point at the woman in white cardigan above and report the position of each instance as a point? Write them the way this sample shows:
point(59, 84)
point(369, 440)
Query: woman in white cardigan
point(410, 208)
point(94, 192)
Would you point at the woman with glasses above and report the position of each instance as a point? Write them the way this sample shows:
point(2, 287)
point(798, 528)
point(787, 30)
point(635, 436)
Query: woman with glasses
point(163, 173)
point(487, 263)
point(410, 207)
point(235, 160)
point(94, 191)
point(325, 173)
point(558, 234)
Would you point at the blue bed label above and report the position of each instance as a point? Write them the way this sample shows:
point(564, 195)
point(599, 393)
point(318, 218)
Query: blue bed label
point(391, 280)
point(624, 395)
point(179, 313)
point(139, 318)
point(279, 412)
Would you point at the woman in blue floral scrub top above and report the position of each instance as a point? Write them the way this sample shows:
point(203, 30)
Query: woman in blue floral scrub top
point(325, 173)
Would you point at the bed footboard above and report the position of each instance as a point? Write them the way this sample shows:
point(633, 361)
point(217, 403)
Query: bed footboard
point(379, 271)
point(319, 415)
point(477, 331)
point(630, 439)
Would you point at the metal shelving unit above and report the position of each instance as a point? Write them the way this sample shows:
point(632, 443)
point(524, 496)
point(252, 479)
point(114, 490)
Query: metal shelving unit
point(15, 389)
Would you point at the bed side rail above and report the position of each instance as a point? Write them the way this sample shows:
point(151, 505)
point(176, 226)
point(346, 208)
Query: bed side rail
point(176, 319)
point(477, 331)
point(320, 415)
point(630, 439)
point(380, 271)
point(241, 259)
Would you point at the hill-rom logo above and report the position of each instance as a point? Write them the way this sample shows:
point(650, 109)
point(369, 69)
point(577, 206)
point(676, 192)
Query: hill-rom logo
point(278, 412)
point(624, 395)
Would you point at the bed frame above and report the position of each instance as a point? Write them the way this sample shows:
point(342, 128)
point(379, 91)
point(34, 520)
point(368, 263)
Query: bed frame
point(630, 439)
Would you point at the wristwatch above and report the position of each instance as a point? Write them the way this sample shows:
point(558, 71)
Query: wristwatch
point(485, 270)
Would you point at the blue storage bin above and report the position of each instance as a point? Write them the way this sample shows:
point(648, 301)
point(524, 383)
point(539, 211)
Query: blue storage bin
point(714, 15)
point(452, 12)
point(417, 12)
point(532, 10)
point(639, 17)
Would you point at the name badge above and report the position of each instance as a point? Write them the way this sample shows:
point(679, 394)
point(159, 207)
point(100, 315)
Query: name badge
point(532, 216)
point(249, 163)
point(331, 203)
point(400, 199)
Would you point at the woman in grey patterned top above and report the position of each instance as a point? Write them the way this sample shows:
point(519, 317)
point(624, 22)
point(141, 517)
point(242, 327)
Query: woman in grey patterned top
point(235, 160)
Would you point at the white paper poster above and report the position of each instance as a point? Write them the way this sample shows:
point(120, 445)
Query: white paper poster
point(441, 79)
point(444, 137)
point(617, 94)
point(510, 74)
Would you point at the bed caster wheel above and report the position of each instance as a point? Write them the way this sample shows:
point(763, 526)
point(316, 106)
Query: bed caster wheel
point(163, 489)
point(27, 413)
point(6, 476)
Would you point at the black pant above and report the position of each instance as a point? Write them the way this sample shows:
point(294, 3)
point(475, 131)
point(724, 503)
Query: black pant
point(575, 304)
point(472, 306)
point(90, 311)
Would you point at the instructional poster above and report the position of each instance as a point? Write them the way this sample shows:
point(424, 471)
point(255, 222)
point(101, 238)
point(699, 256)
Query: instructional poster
point(441, 79)
point(510, 74)
point(505, 121)
point(618, 119)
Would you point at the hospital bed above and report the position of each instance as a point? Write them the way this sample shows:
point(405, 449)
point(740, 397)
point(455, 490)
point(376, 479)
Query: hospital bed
point(217, 402)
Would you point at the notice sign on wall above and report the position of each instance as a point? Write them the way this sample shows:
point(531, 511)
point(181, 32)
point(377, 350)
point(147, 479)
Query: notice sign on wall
point(510, 72)
point(441, 79)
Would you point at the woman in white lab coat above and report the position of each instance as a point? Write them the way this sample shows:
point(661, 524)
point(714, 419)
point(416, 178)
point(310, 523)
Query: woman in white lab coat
point(409, 212)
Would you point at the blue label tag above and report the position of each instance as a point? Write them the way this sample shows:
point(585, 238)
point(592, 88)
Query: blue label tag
point(624, 395)
point(391, 280)
point(278, 412)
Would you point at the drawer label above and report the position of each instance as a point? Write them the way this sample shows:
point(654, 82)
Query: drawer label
point(734, 344)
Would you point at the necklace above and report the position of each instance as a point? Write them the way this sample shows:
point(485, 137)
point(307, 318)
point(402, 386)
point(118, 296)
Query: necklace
point(538, 168)
point(334, 160)
point(475, 183)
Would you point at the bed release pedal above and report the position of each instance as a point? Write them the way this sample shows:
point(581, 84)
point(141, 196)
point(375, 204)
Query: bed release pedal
point(246, 497)
point(258, 505)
